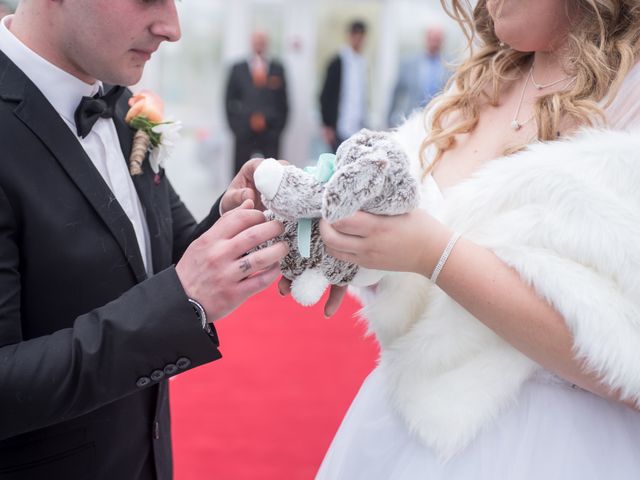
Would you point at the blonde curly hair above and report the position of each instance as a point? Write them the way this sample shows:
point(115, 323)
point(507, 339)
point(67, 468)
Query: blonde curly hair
point(602, 47)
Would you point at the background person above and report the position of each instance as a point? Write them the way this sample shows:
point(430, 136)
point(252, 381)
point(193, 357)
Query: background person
point(256, 103)
point(421, 77)
point(343, 99)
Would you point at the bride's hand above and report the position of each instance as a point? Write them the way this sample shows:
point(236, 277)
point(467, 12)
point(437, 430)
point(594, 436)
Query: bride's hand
point(401, 243)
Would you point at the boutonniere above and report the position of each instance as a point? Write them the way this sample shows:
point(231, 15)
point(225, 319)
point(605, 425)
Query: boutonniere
point(153, 133)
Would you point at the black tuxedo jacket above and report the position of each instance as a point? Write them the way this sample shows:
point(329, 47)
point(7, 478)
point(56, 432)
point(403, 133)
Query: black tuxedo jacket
point(243, 98)
point(330, 94)
point(87, 341)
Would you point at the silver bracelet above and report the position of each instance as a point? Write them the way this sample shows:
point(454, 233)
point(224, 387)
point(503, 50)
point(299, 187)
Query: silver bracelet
point(443, 258)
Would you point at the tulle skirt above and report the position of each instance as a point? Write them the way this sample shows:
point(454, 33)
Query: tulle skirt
point(554, 431)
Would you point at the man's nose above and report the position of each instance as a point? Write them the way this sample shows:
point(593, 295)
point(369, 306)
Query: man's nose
point(167, 23)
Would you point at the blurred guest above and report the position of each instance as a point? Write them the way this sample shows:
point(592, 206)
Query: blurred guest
point(343, 97)
point(256, 103)
point(421, 77)
point(5, 9)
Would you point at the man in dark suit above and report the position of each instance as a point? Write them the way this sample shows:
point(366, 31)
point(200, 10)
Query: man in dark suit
point(256, 103)
point(94, 316)
point(344, 92)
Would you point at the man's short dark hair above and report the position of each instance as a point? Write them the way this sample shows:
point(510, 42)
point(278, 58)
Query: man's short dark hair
point(358, 26)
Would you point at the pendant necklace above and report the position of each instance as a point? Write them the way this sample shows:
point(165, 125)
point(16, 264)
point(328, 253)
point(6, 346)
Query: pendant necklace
point(515, 123)
point(545, 85)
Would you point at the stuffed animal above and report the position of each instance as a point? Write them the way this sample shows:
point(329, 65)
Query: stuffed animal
point(369, 172)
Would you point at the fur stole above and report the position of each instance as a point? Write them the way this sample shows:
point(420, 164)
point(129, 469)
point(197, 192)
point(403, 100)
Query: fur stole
point(566, 216)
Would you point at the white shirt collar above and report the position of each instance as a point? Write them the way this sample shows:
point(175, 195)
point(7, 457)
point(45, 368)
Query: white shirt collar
point(62, 90)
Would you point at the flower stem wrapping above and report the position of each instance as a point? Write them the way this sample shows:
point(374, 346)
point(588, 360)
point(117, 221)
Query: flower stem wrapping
point(141, 142)
point(153, 134)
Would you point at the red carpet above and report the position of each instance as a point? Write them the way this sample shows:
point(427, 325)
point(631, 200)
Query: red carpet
point(270, 407)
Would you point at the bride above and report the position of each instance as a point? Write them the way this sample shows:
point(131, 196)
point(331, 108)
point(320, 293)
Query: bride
point(510, 345)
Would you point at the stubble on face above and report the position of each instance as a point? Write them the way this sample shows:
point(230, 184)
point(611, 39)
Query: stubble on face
point(110, 40)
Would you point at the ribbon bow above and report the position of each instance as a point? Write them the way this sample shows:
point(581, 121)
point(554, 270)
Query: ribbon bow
point(323, 171)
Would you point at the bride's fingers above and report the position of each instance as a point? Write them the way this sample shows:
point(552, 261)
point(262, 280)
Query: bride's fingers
point(336, 294)
point(344, 256)
point(284, 286)
point(337, 241)
point(359, 224)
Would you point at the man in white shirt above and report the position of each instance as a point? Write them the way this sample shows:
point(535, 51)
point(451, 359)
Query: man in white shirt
point(344, 92)
point(107, 285)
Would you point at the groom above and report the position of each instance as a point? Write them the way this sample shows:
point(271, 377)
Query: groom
point(94, 317)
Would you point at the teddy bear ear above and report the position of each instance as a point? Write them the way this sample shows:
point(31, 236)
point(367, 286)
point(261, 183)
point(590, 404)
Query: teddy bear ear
point(352, 186)
point(362, 141)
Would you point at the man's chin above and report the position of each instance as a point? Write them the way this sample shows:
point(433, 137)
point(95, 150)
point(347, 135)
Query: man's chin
point(125, 78)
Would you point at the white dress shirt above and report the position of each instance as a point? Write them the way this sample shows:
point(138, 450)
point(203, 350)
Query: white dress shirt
point(353, 93)
point(64, 92)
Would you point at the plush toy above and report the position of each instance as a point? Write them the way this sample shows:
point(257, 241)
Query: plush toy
point(369, 172)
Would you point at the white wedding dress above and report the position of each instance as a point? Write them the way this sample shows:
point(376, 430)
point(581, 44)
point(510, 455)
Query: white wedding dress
point(553, 431)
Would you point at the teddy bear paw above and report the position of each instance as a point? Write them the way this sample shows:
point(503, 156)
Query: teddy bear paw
point(308, 288)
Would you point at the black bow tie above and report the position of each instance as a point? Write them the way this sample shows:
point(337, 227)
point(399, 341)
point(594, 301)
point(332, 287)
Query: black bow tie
point(93, 108)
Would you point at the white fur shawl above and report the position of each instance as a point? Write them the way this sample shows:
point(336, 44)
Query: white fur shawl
point(566, 216)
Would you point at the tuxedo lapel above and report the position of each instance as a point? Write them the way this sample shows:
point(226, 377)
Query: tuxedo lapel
point(40, 117)
point(148, 192)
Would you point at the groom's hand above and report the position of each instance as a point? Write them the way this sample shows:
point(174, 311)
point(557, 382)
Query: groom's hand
point(216, 270)
point(243, 188)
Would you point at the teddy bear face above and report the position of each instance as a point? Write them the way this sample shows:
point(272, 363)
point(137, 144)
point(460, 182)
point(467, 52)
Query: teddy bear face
point(372, 174)
point(288, 191)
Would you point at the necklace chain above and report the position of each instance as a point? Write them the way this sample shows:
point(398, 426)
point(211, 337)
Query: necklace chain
point(545, 85)
point(515, 123)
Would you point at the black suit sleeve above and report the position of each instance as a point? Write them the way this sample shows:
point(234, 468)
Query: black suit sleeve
point(185, 229)
point(330, 95)
point(236, 110)
point(101, 358)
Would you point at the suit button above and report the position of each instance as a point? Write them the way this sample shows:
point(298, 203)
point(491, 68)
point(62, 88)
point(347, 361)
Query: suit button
point(183, 363)
point(143, 382)
point(157, 375)
point(170, 369)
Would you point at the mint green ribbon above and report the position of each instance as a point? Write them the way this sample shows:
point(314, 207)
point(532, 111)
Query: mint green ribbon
point(323, 171)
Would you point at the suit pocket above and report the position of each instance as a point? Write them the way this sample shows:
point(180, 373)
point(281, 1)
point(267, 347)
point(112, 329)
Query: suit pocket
point(75, 464)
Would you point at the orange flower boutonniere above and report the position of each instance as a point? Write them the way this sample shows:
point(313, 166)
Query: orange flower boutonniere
point(153, 134)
